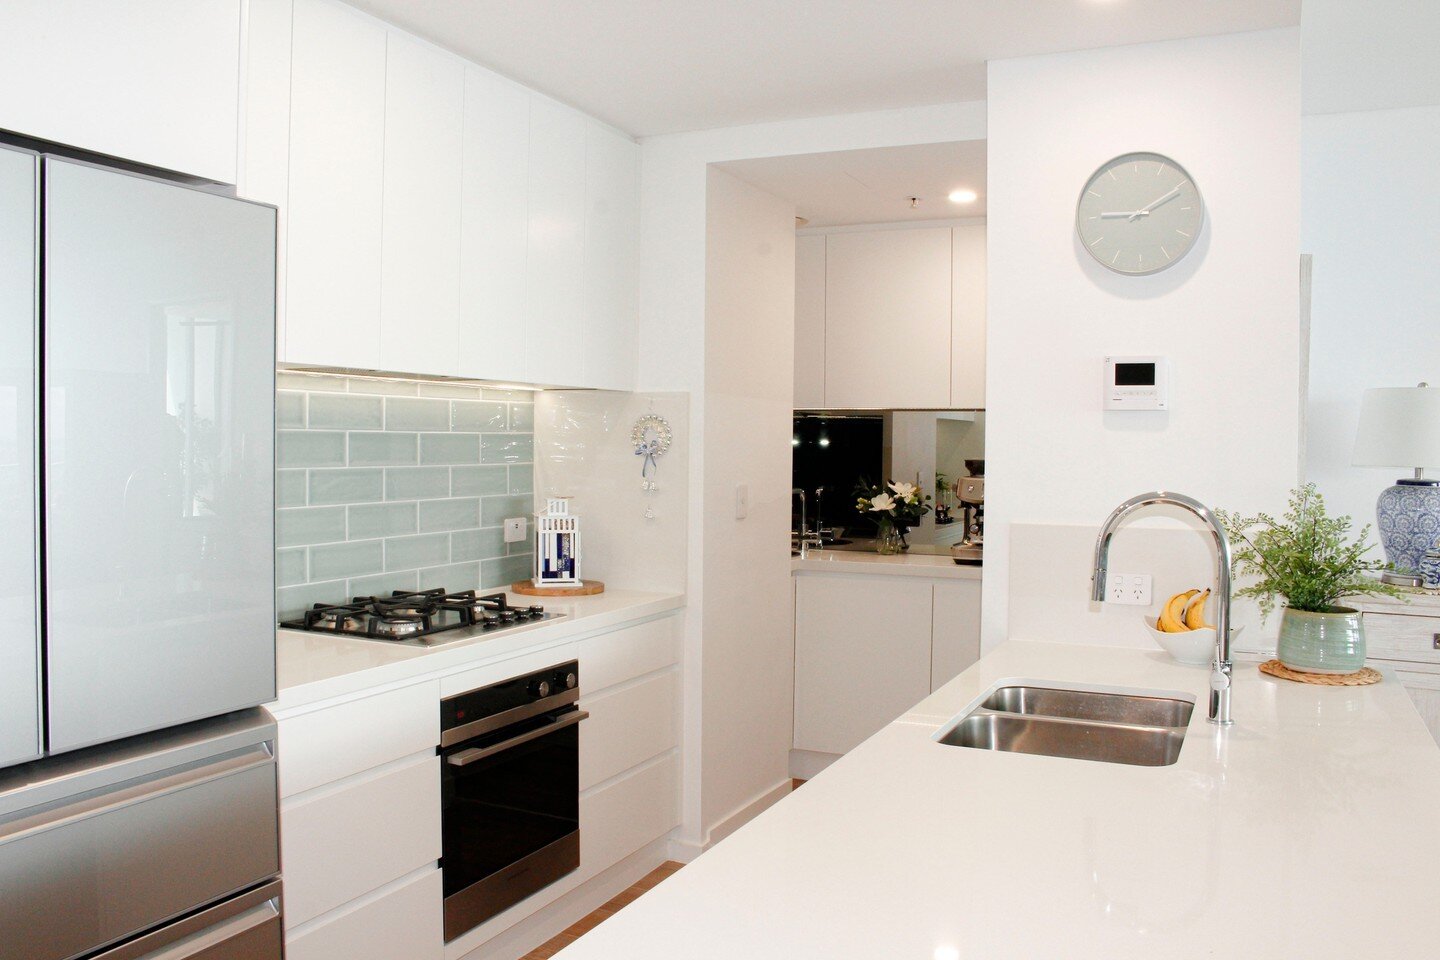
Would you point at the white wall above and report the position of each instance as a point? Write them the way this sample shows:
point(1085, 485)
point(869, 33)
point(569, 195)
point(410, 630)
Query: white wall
point(1372, 223)
point(748, 656)
point(674, 179)
point(1228, 109)
point(583, 451)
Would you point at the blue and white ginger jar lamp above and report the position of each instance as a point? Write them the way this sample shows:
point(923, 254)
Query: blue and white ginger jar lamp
point(1400, 427)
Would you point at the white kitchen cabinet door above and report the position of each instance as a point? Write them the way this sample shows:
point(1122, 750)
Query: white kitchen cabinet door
point(153, 81)
point(420, 222)
point(612, 235)
point(555, 287)
point(862, 656)
point(407, 921)
point(494, 228)
point(809, 322)
point(955, 630)
point(967, 313)
point(337, 150)
point(264, 173)
point(887, 318)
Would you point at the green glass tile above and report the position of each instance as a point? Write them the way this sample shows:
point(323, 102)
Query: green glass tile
point(292, 602)
point(309, 448)
point(407, 553)
point(494, 511)
point(449, 514)
point(290, 566)
point(522, 478)
point(522, 417)
point(478, 481)
point(402, 413)
point(477, 417)
point(345, 412)
point(507, 448)
point(417, 483)
point(381, 520)
point(502, 573)
point(458, 576)
point(383, 584)
point(450, 391)
point(302, 525)
point(290, 487)
point(346, 486)
point(482, 544)
point(381, 387)
point(449, 448)
point(382, 449)
point(290, 410)
point(336, 560)
point(310, 382)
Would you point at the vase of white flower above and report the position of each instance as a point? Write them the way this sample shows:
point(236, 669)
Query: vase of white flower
point(895, 507)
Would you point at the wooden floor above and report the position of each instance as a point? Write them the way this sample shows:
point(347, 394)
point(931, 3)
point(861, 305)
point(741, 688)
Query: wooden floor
point(578, 929)
point(581, 927)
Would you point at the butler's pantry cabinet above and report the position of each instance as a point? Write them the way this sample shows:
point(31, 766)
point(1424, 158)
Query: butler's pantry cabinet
point(891, 318)
point(436, 218)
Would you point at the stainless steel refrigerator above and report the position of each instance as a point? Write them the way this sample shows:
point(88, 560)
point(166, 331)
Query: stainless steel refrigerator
point(137, 782)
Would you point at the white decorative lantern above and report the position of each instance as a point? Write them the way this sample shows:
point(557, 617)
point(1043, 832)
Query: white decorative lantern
point(557, 545)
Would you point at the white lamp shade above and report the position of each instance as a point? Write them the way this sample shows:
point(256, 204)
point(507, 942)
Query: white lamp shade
point(1399, 427)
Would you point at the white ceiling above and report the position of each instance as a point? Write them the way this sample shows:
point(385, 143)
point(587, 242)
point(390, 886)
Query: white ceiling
point(873, 186)
point(663, 66)
point(1375, 55)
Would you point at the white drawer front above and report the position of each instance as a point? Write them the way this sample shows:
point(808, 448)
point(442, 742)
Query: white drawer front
point(345, 841)
point(627, 814)
point(627, 727)
point(506, 669)
point(627, 653)
point(402, 923)
point(1390, 636)
point(327, 745)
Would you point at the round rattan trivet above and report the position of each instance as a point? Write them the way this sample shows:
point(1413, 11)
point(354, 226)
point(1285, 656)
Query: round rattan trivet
point(1362, 677)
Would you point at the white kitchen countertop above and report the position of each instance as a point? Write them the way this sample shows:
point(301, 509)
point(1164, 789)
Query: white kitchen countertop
point(311, 667)
point(1308, 829)
point(899, 565)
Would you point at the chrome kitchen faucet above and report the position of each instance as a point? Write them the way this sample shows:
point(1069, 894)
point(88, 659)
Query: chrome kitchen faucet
point(1221, 666)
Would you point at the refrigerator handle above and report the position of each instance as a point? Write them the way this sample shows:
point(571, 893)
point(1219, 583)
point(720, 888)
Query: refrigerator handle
point(128, 794)
point(226, 921)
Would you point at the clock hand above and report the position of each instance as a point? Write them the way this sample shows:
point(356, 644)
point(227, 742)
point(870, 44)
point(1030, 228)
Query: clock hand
point(1145, 210)
point(1123, 213)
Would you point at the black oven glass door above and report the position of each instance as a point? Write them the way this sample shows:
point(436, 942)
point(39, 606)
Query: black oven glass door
point(503, 807)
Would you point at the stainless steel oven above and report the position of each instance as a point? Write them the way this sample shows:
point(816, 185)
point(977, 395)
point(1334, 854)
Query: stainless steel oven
point(510, 787)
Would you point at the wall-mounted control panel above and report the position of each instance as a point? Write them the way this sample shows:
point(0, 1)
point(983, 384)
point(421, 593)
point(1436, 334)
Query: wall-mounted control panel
point(1137, 383)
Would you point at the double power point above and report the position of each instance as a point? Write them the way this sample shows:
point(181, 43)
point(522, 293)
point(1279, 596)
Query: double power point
point(1130, 589)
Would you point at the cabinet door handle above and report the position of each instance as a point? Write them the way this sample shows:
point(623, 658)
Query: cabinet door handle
point(1436, 641)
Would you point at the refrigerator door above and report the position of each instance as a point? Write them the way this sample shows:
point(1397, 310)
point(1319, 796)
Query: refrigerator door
point(159, 398)
point(19, 547)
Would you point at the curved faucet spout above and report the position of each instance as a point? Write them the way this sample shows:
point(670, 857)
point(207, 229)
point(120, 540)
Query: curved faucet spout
point(1222, 666)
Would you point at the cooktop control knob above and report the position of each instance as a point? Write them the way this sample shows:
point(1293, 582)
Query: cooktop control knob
point(540, 689)
point(537, 611)
point(571, 680)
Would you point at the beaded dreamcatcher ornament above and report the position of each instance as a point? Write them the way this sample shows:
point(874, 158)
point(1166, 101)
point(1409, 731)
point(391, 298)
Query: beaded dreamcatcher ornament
point(650, 437)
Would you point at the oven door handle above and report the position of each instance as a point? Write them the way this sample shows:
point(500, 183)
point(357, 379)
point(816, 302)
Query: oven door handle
point(466, 757)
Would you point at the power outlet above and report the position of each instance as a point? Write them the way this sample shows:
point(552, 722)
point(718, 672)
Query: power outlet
point(514, 529)
point(1130, 589)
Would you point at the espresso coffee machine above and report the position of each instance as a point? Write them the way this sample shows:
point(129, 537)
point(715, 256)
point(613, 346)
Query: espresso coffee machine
point(970, 491)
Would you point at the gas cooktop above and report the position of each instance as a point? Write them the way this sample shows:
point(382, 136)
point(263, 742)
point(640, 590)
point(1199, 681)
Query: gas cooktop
point(422, 618)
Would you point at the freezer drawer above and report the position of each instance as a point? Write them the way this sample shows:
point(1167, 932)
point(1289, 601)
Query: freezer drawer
point(159, 337)
point(127, 841)
point(246, 927)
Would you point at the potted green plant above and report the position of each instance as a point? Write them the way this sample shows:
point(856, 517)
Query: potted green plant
point(895, 507)
point(1309, 560)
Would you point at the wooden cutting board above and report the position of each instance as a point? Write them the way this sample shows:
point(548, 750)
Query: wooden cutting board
point(587, 588)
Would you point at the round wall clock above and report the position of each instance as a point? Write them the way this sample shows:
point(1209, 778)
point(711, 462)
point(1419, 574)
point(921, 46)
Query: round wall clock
point(1139, 214)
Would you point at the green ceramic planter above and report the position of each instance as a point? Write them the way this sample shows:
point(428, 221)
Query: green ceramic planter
point(1332, 642)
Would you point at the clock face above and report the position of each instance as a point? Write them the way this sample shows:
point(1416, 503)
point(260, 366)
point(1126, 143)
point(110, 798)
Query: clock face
point(1139, 213)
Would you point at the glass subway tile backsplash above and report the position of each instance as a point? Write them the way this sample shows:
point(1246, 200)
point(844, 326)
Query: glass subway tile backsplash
point(392, 485)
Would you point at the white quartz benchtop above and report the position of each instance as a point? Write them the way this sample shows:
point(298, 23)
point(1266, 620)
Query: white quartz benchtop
point(314, 666)
point(899, 565)
point(1308, 829)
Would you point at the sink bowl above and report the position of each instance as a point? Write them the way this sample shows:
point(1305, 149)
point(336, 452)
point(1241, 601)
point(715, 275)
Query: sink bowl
point(1091, 705)
point(1105, 742)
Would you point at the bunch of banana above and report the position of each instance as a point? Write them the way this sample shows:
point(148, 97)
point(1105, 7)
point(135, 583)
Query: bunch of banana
point(1184, 611)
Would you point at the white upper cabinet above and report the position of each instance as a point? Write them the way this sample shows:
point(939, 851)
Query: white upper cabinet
point(420, 261)
point(809, 322)
point(494, 228)
point(555, 288)
point(151, 81)
point(336, 187)
point(887, 319)
point(967, 330)
point(612, 210)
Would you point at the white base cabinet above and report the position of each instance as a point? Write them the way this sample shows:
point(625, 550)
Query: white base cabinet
point(1405, 636)
point(360, 812)
point(437, 219)
point(869, 647)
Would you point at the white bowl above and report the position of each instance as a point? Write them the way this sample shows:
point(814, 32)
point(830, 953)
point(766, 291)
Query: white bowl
point(1192, 646)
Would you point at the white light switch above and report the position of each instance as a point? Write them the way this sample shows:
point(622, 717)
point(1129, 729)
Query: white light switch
point(514, 529)
point(742, 501)
point(1131, 589)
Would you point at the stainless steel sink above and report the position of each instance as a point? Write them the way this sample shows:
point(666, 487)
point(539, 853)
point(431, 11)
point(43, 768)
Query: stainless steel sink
point(1091, 705)
point(1134, 729)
